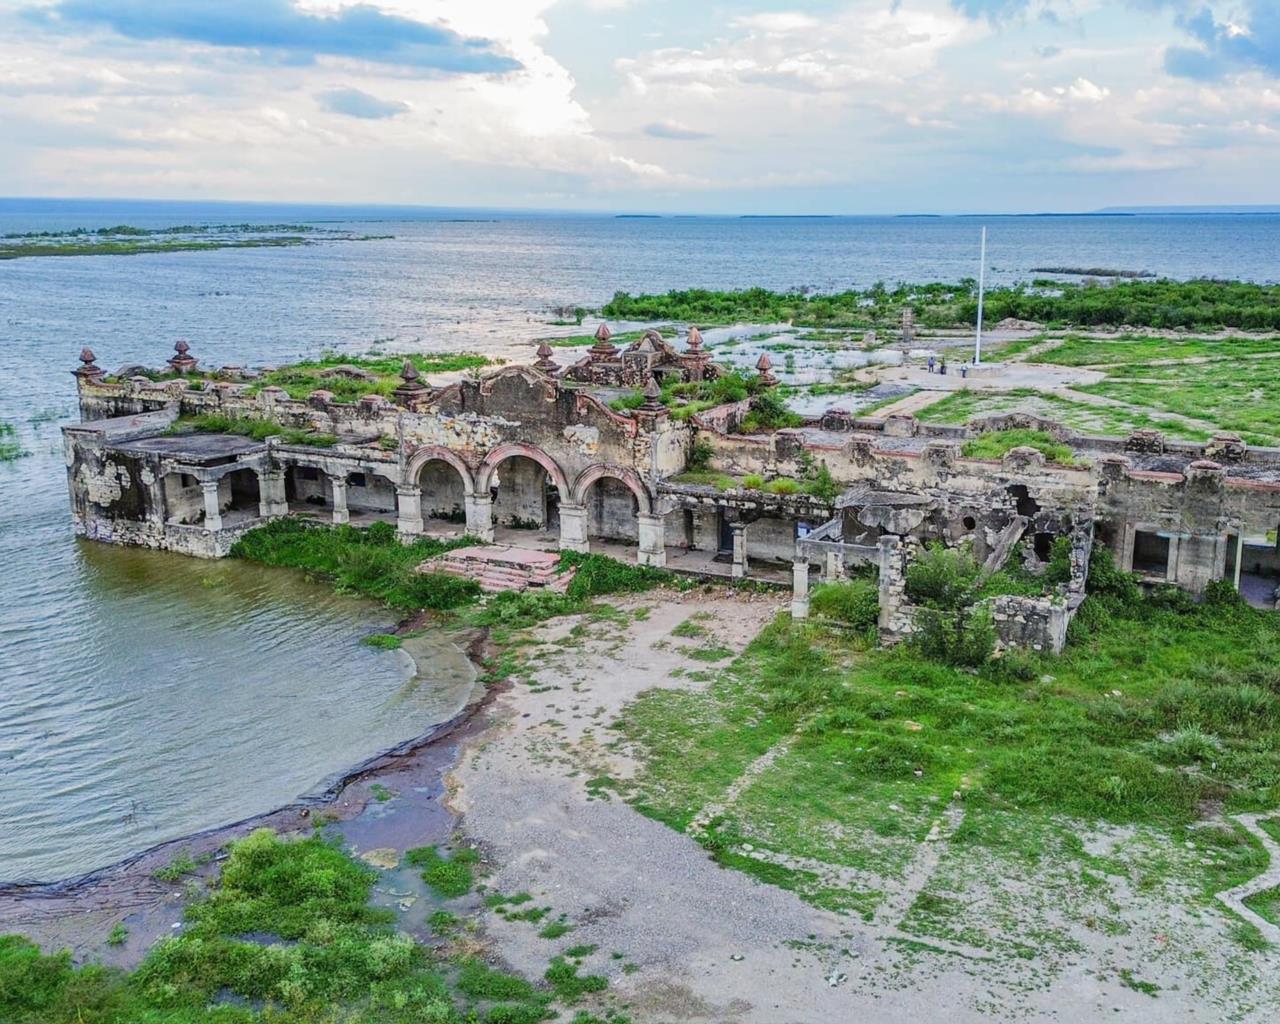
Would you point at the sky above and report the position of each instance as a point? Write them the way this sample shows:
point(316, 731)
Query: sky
point(691, 106)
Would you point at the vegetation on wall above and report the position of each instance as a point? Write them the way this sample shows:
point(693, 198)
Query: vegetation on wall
point(258, 429)
point(995, 444)
point(302, 378)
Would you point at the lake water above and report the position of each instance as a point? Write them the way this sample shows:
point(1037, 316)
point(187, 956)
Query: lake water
point(143, 696)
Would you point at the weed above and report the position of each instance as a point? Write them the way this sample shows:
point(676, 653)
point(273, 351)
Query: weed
point(451, 877)
point(118, 935)
point(383, 641)
point(568, 984)
point(555, 929)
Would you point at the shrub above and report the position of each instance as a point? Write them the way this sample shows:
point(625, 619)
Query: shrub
point(964, 637)
point(856, 603)
point(943, 578)
point(700, 455)
point(821, 484)
point(1059, 568)
point(783, 485)
point(1109, 582)
point(599, 574)
point(753, 482)
point(768, 412)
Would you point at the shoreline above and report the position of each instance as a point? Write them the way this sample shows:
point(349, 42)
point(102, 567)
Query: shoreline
point(66, 912)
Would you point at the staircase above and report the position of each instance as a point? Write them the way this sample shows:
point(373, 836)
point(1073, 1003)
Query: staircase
point(500, 567)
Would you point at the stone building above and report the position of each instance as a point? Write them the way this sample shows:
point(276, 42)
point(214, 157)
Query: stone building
point(535, 454)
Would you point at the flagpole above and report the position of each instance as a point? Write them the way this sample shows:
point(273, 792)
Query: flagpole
point(982, 284)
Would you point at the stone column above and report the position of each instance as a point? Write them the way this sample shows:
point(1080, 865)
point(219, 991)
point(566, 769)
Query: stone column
point(833, 567)
point(408, 511)
point(573, 528)
point(1240, 555)
point(340, 513)
point(271, 495)
point(653, 548)
point(212, 514)
point(800, 589)
point(479, 508)
point(739, 567)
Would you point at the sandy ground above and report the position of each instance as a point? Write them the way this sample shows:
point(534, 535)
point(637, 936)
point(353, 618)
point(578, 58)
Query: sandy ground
point(715, 945)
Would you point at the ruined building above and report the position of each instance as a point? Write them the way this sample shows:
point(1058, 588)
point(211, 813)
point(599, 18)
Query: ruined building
point(536, 452)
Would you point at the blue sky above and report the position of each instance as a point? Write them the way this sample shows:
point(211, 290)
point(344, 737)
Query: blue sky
point(839, 106)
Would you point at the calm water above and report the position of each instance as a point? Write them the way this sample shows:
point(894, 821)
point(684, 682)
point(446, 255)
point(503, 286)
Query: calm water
point(143, 696)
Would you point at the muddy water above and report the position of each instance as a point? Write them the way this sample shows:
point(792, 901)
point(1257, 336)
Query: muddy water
point(169, 695)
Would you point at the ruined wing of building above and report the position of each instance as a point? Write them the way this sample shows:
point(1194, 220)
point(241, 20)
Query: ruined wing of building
point(537, 452)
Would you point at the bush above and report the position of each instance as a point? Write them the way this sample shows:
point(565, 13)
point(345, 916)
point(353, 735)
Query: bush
point(700, 455)
point(1108, 582)
point(964, 637)
point(943, 578)
point(856, 603)
point(599, 574)
point(768, 412)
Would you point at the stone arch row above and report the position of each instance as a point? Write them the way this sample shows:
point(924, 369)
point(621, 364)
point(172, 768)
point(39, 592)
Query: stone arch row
point(478, 482)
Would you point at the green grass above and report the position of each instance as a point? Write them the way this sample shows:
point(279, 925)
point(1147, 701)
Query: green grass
point(118, 935)
point(370, 562)
point(449, 877)
point(302, 378)
point(258, 429)
point(181, 865)
point(962, 406)
point(555, 929)
point(995, 444)
point(1135, 348)
point(1040, 750)
point(383, 641)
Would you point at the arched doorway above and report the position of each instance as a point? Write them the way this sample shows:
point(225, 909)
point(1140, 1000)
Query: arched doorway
point(525, 487)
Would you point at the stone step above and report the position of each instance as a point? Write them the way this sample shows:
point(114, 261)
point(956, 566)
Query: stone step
point(499, 568)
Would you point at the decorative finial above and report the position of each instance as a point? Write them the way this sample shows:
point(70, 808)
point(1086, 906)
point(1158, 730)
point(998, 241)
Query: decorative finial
point(182, 362)
point(88, 371)
point(653, 395)
point(545, 363)
point(695, 339)
point(765, 366)
point(412, 389)
point(603, 348)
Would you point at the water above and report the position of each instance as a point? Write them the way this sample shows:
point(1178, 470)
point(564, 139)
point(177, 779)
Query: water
point(143, 696)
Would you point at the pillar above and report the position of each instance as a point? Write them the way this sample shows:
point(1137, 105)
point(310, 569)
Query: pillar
point(408, 511)
point(212, 513)
point(340, 514)
point(1240, 554)
point(739, 567)
point(653, 548)
point(271, 499)
point(833, 567)
point(479, 509)
point(800, 589)
point(573, 528)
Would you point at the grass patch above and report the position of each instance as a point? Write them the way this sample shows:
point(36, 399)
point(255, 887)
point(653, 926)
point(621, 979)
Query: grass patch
point(568, 984)
point(383, 641)
point(1155, 711)
point(449, 877)
point(995, 444)
point(258, 430)
point(300, 379)
point(555, 929)
point(370, 562)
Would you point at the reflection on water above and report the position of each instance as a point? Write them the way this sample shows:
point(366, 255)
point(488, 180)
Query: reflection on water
point(170, 695)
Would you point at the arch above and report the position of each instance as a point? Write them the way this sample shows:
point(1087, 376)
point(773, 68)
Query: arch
point(506, 451)
point(628, 476)
point(435, 453)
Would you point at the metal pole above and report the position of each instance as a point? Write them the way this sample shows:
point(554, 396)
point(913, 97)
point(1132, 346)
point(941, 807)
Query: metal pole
point(982, 285)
